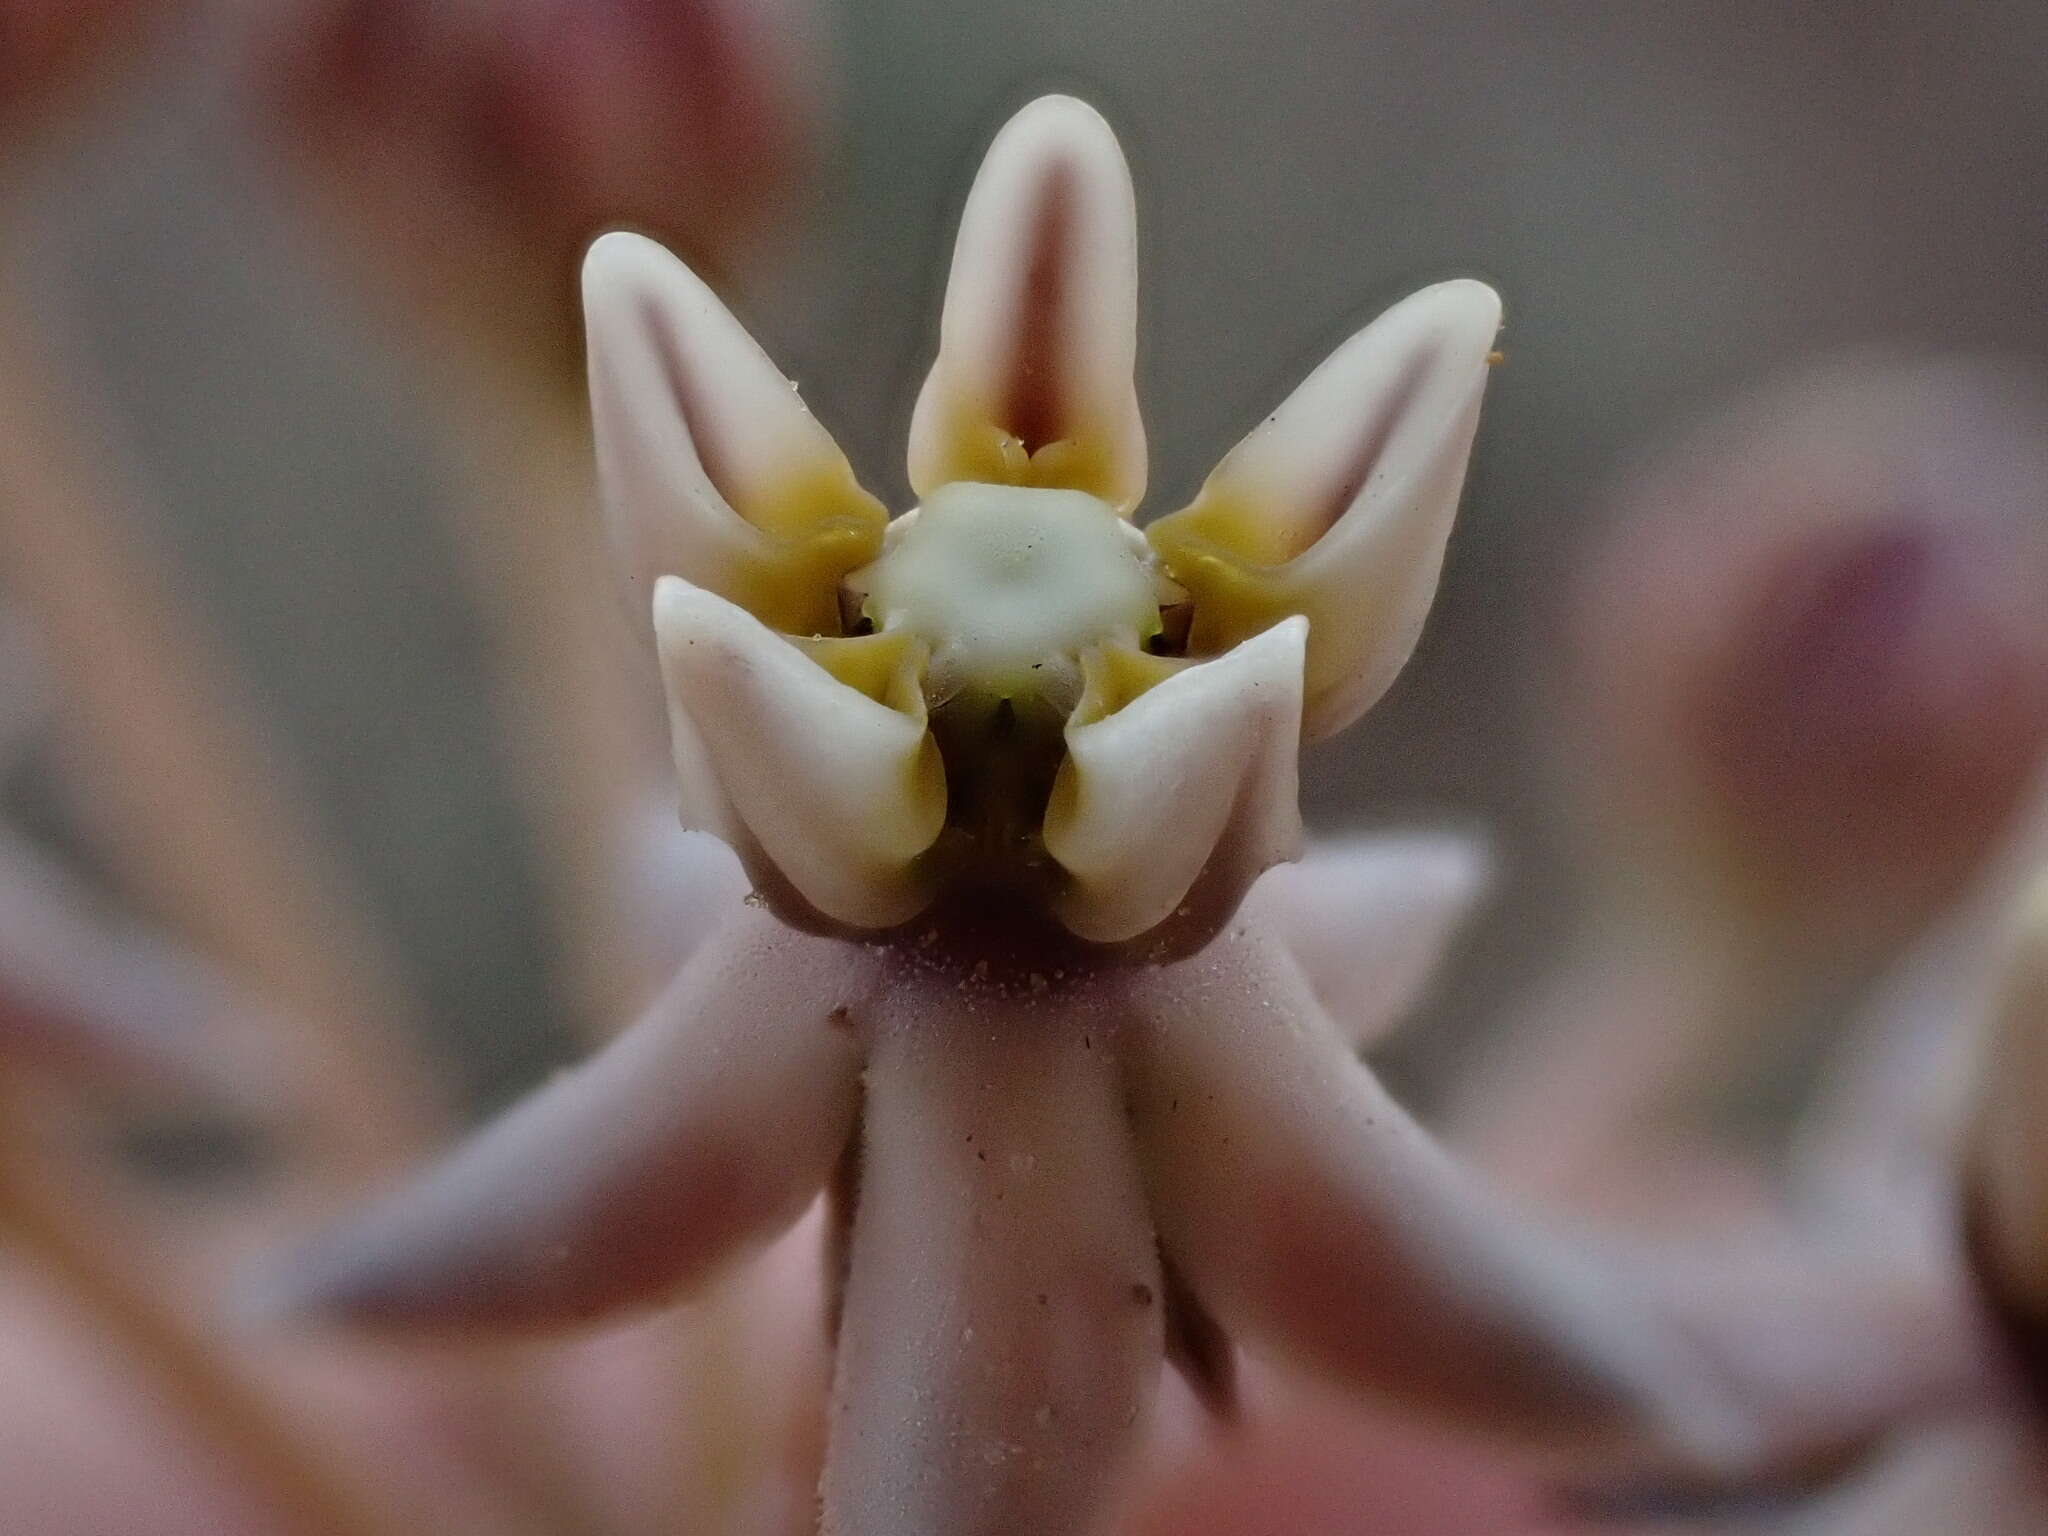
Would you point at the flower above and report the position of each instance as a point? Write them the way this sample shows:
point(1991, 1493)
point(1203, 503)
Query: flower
point(1930, 1143)
point(1004, 775)
point(1023, 691)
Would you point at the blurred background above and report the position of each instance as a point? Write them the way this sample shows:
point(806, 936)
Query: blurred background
point(1679, 202)
point(333, 801)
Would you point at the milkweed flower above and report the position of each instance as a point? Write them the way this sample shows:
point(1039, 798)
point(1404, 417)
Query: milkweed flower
point(1007, 777)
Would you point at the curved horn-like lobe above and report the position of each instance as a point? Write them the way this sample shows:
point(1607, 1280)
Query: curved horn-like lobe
point(2009, 1146)
point(711, 468)
point(827, 789)
point(1002, 1333)
point(1368, 920)
point(1338, 505)
point(1183, 796)
point(706, 1127)
point(1035, 378)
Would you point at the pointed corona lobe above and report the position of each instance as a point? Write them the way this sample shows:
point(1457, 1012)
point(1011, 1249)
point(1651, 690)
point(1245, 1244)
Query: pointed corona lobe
point(1339, 504)
point(712, 469)
point(1171, 804)
point(829, 789)
point(1034, 382)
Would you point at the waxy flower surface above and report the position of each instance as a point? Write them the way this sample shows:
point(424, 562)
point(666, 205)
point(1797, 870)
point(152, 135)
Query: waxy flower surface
point(1018, 982)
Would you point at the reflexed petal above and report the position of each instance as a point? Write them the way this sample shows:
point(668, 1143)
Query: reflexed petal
point(2009, 1151)
point(1314, 1216)
point(829, 790)
point(1338, 505)
point(1168, 807)
point(1002, 1333)
point(1033, 384)
point(706, 1127)
point(681, 885)
point(712, 469)
point(1369, 918)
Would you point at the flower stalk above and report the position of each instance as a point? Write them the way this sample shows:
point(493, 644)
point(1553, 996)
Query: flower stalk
point(187, 796)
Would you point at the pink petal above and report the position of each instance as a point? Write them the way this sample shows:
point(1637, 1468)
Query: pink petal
point(704, 1129)
point(1314, 1217)
point(682, 885)
point(1369, 918)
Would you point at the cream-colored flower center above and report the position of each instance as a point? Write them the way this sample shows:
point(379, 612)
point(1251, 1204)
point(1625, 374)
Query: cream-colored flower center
point(1009, 585)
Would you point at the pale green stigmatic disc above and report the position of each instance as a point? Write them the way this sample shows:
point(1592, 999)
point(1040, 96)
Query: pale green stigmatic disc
point(1008, 585)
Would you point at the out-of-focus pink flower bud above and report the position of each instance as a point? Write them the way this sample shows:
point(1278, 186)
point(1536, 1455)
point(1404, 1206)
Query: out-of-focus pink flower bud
point(493, 141)
point(1811, 659)
point(680, 116)
point(48, 48)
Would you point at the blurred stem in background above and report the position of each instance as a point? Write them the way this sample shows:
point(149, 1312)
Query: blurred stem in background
point(183, 1361)
point(584, 742)
point(181, 791)
point(456, 165)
